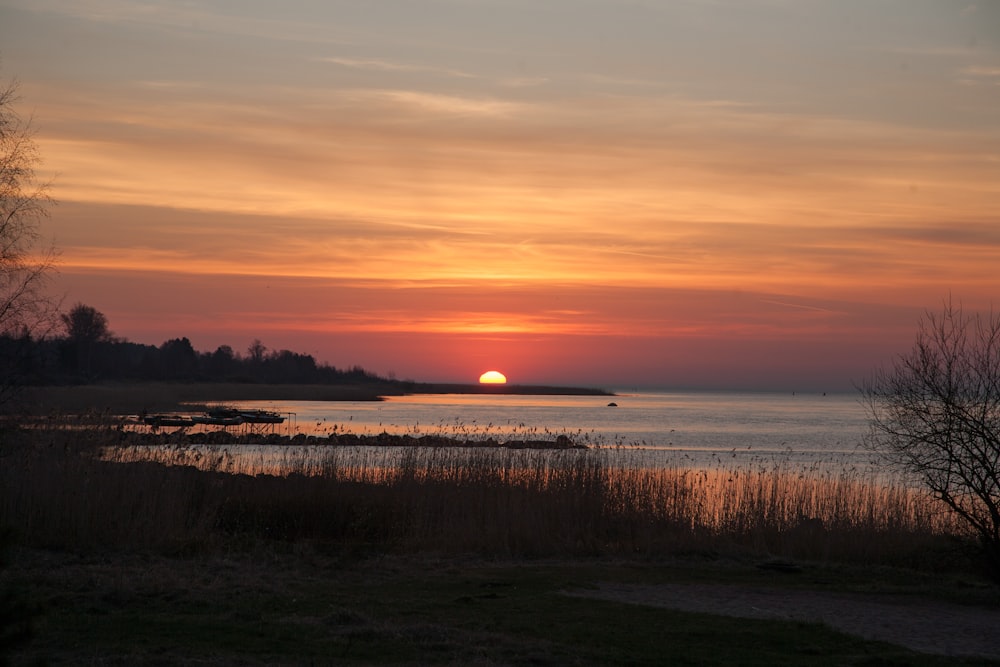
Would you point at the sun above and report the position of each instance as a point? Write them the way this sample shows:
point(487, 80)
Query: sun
point(492, 377)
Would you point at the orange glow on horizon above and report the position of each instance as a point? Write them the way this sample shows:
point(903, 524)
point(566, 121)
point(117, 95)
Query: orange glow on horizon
point(492, 377)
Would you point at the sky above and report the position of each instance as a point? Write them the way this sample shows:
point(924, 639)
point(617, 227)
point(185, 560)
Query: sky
point(733, 194)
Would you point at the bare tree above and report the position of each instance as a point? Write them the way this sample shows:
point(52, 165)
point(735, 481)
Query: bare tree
point(256, 352)
point(25, 309)
point(23, 204)
point(936, 414)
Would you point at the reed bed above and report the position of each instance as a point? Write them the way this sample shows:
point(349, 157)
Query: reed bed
point(59, 488)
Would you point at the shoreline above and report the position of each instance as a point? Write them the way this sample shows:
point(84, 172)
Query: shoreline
point(508, 389)
point(123, 398)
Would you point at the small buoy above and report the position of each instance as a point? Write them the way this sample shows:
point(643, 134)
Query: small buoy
point(612, 404)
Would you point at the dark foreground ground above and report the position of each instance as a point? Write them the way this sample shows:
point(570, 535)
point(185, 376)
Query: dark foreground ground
point(301, 604)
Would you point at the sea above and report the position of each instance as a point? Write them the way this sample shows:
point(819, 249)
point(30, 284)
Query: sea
point(658, 428)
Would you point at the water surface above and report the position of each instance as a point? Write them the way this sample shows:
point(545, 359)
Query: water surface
point(679, 428)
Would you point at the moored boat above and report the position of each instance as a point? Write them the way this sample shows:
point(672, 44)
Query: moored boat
point(212, 420)
point(249, 416)
point(261, 417)
point(167, 420)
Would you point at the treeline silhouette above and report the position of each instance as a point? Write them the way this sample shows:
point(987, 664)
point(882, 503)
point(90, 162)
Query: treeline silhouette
point(89, 352)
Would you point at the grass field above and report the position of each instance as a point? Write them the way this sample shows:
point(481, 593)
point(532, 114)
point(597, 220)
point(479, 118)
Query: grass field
point(301, 605)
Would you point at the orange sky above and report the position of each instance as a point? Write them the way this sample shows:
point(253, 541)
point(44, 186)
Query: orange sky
point(616, 193)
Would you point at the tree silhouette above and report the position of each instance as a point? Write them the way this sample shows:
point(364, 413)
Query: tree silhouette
point(222, 363)
point(178, 358)
point(256, 351)
point(85, 324)
point(85, 328)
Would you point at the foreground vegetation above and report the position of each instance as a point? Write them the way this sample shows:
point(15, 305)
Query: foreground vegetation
point(64, 488)
point(440, 556)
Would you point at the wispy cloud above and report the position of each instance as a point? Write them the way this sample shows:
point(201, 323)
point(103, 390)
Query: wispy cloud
point(938, 51)
point(821, 310)
point(393, 66)
point(441, 103)
point(523, 81)
point(979, 75)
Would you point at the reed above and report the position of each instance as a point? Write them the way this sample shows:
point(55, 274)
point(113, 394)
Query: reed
point(58, 488)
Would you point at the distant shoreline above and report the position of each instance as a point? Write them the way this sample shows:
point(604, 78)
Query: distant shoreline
point(123, 398)
point(514, 389)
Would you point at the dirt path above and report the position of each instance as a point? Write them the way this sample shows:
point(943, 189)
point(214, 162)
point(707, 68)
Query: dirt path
point(922, 625)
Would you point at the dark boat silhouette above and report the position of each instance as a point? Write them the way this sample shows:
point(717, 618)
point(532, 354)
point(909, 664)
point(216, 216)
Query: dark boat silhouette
point(247, 416)
point(261, 417)
point(218, 420)
point(157, 421)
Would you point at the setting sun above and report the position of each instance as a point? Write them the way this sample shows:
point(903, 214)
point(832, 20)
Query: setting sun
point(492, 377)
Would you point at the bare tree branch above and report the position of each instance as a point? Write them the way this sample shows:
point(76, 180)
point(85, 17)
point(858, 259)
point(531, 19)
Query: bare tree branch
point(25, 308)
point(935, 413)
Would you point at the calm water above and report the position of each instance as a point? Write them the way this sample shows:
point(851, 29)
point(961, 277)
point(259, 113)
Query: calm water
point(690, 428)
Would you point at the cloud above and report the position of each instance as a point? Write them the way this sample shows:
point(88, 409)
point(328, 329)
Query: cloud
point(523, 81)
point(440, 103)
point(980, 75)
point(390, 66)
point(470, 189)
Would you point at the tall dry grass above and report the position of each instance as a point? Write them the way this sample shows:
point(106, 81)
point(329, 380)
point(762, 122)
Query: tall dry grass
point(57, 490)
